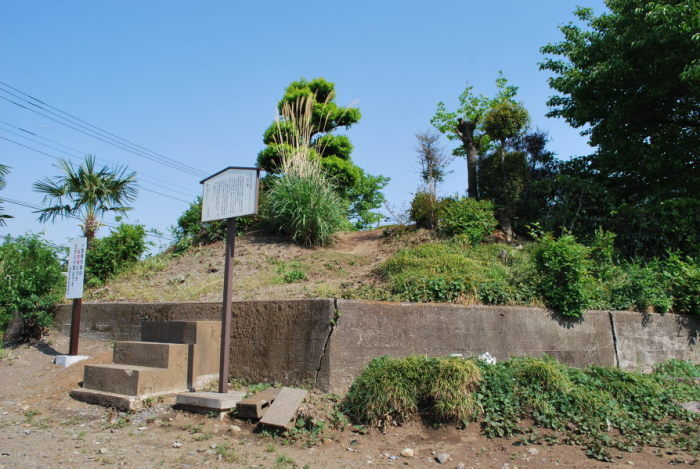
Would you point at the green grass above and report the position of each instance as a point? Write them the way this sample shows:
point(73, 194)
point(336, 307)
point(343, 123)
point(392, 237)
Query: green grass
point(596, 407)
point(452, 271)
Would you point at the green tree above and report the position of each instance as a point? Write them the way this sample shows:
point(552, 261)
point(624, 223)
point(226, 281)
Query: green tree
point(4, 170)
point(86, 193)
point(630, 78)
point(465, 125)
point(297, 128)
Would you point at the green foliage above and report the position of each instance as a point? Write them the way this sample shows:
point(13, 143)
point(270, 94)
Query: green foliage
point(305, 208)
point(396, 389)
point(291, 272)
point(87, 193)
point(641, 287)
point(466, 216)
point(117, 251)
point(631, 79)
point(578, 406)
point(562, 274)
point(32, 282)
point(424, 210)
point(190, 231)
point(505, 120)
point(447, 271)
point(360, 190)
point(683, 277)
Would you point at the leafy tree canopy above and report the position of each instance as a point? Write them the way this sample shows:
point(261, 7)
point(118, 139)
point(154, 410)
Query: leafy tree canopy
point(362, 191)
point(631, 79)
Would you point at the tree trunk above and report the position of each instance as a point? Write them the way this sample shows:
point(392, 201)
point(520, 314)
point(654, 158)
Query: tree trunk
point(465, 130)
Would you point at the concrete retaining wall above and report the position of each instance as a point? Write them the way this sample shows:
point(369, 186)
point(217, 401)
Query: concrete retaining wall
point(326, 343)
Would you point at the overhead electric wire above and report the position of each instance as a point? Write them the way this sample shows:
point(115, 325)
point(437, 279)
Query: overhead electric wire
point(57, 158)
point(123, 145)
point(79, 122)
point(36, 207)
point(79, 157)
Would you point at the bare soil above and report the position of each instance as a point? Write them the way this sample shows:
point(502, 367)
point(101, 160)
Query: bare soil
point(41, 426)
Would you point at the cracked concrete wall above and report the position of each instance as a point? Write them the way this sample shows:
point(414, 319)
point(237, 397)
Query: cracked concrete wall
point(303, 342)
point(643, 340)
point(370, 329)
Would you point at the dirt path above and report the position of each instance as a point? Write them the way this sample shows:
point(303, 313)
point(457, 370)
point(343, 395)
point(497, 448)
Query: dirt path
point(41, 426)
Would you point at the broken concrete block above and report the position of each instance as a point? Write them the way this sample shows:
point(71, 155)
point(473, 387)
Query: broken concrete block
point(282, 411)
point(255, 406)
point(209, 401)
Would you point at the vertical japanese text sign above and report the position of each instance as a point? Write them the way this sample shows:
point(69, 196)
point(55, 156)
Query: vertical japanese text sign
point(76, 268)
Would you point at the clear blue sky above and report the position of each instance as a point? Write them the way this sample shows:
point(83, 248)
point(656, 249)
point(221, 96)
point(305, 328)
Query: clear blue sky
point(198, 82)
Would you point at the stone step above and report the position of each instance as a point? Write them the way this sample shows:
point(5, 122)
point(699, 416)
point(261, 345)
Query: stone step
point(281, 413)
point(255, 406)
point(133, 380)
point(152, 354)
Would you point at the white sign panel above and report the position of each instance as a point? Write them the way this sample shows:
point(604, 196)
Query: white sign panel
point(76, 268)
point(230, 193)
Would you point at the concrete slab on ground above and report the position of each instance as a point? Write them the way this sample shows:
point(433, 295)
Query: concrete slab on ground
point(106, 399)
point(209, 400)
point(255, 406)
point(281, 413)
point(67, 360)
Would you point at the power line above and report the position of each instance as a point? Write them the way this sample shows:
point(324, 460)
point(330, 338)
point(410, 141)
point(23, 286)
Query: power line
point(102, 135)
point(57, 158)
point(79, 157)
point(36, 207)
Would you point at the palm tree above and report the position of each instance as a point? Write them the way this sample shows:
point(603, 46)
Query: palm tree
point(86, 193)
point(3, 172)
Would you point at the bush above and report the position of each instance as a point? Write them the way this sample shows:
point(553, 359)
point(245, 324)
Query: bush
point(305, 208)
point(424, 210)
point(396, 389)
point(683, 278)
point(562, 274)
point(31, 284)
point(640, 287)
point(466, 216)
point(578, 406)
point(110, 255)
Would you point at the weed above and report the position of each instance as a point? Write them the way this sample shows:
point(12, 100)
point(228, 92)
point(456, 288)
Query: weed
point(120, 422)
point(225, 452)
point(81, 435)
point(283, 462)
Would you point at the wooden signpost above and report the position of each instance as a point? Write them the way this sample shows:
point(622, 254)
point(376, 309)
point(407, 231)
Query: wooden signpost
point(226, 195)
point(74, 291)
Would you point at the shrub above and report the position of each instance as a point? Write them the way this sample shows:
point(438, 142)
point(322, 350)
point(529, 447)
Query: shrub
point(424, 210)
point(466, 216)
point(641, 287)
point(562, 274)
point(396, 389)
point(683, 277)
point(31, 283)
point(306, 208)
point(113, 253)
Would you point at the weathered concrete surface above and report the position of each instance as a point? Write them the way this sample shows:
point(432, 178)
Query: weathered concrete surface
point(209, 400)
point(281, 413)
point(646, 339)
point(370, 329)
point(255, 406)
point(281, 341)
point(299, 342)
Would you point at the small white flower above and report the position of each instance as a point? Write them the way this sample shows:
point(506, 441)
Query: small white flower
point(487, 358)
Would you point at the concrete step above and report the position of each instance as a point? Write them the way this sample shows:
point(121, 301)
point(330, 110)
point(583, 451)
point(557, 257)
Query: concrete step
point(152, 354)
point(133, 380)
point(177, 332)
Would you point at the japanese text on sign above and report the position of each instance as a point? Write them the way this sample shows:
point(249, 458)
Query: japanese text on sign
point(231, 193)
point(76, 268)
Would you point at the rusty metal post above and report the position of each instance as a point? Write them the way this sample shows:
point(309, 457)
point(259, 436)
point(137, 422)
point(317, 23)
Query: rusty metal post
point(224, 360)
point(75, 326)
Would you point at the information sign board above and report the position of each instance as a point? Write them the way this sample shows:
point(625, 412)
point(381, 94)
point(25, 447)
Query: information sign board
point(230, 193)
point(76, 268)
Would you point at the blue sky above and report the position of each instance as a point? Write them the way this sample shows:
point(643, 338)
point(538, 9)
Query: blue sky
point(198, 82)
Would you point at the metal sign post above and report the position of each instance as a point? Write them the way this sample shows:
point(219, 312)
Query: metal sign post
point(74, 288)
point(230, 193)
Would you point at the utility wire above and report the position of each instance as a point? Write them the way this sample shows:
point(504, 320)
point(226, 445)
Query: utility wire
point(79, 157)
point(57, 158)
point(77, 121)
point(36, 207)
point(173, 164)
